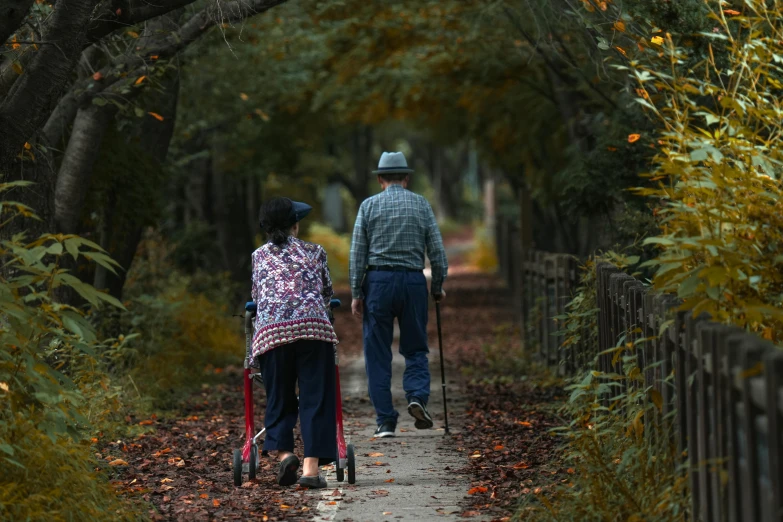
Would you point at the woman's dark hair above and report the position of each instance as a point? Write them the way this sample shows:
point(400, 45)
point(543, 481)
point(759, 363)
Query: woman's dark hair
point(276, 220)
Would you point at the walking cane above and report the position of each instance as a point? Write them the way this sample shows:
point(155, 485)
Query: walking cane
point(442, 370)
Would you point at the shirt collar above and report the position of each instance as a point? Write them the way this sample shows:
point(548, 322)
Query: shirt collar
point(395, 186)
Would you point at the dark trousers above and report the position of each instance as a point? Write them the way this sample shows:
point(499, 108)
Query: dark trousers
point(390, 295)
point(311, 363)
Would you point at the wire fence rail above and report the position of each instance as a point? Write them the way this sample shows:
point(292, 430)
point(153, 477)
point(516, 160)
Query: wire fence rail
point(723, 386)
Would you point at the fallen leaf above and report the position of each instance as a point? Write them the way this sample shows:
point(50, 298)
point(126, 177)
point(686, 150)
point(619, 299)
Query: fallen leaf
point(243, 96)
point(332, 503)
point(133, 34)
point(203, 495)
point(475, 456)
point(525, 424)
point(476, 490)
point(570, 470)
point(140, 79)
point(159, 118)
point(633, 138)
point(390, 480)
point(144, 422)
point(498, 448)
point(215, 502)
point(387, 512)
point(97, 76)
point(521, 465)
point(165, 480)
point(118, 462)
point(375, 454)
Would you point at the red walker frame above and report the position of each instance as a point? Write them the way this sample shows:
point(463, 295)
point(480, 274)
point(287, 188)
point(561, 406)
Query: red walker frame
point(246, 459)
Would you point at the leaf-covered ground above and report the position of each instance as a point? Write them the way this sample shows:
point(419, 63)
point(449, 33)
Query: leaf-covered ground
point(183, 466)
point(509, 450)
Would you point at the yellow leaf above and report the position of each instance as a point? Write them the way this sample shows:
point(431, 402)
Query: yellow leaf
point(4, 386)
point(141, 79)
point(375, 454)
point(16, 67)
point(657, 40)
point(243, 96)
point(758, 369)
point(264, 116)
point(633, 138)
point(156, 116)
point(27, 146)
point(118, 462)
point(620, 26)
point(133, 34)
point(657, 398)
point(165, 480)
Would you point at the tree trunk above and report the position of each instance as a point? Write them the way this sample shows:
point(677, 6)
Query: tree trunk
point(27, 106)
point(76, 168)
point(361, 149)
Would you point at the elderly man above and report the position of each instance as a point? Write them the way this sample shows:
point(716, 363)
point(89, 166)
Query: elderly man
point(393, 231)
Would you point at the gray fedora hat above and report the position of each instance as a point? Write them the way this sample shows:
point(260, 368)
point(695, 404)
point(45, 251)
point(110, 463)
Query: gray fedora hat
point(393, 163)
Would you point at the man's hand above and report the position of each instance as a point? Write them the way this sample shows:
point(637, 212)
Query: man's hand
point(440, 297)
point(357, 307)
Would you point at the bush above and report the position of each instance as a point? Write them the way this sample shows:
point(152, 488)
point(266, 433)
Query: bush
point(338, 250)
point(183, 327)
point(54, 387)
point(622, 449)
point(484, 256)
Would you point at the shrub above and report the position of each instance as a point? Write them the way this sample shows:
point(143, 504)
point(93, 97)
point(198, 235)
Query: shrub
point(182, 323)
point(338, 250)
point(622, 449)
point(52, 382)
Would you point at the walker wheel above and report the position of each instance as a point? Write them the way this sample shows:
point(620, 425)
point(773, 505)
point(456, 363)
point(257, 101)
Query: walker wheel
point(351, 465)
point(237, 467)
point(340, 472)
point(251, 468)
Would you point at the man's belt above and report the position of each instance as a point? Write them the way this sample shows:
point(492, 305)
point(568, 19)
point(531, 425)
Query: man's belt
point(389, 268)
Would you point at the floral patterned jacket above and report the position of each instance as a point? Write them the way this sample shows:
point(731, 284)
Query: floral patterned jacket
point(292, 289)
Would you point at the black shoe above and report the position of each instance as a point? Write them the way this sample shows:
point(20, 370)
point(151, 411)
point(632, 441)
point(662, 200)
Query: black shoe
point(317, 482)
point(286, 475)
point(385, 430)
point(419, 412)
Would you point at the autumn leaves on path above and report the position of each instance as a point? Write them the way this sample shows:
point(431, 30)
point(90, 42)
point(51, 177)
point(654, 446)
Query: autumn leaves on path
point(499, 449)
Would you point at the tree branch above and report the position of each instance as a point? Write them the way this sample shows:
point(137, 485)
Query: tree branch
point(12, 14)
point(26, 108)
point(119, 14)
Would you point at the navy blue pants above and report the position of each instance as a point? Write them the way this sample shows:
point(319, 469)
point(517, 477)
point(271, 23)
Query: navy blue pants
point(404, 296)
point(311, 363)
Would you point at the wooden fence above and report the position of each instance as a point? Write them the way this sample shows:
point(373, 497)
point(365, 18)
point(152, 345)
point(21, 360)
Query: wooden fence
point(723, 385)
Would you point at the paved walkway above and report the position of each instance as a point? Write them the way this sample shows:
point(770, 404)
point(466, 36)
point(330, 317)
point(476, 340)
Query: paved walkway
point(409, 477)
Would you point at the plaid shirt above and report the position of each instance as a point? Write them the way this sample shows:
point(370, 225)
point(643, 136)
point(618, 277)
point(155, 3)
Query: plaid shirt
point(394, 228)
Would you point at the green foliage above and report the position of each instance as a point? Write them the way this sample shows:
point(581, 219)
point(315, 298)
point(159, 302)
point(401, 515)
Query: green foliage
point(52, 383)
point(714, 95)
point(626, 462)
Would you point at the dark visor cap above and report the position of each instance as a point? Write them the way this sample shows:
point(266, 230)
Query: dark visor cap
point(299, 210)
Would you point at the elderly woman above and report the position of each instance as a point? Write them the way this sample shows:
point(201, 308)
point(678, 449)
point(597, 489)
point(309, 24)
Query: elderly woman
point(294, 342)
